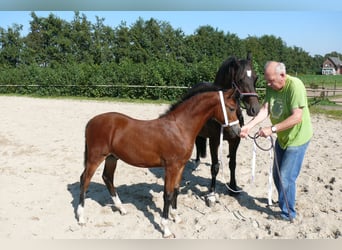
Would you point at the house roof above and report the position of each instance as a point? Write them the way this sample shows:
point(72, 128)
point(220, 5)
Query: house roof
point(335, 60)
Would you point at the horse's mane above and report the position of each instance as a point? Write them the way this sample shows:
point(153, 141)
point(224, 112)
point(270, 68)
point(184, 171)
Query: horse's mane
point(195, 90)
point(232, 60)
point(226, 70)
point(230, 67)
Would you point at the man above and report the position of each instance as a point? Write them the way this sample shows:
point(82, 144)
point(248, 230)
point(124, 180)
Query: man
point(286, 103)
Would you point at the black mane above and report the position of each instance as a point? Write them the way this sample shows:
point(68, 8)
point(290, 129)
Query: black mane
point(230, 71)
point(195, 90)
point(225, 73)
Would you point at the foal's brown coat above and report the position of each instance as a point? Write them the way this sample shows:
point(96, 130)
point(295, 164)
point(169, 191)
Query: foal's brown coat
point(164, 142)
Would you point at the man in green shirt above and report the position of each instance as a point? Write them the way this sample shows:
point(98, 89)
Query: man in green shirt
point(286, 104)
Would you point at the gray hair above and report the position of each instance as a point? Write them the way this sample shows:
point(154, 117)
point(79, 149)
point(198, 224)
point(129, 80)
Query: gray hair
point(280, 67)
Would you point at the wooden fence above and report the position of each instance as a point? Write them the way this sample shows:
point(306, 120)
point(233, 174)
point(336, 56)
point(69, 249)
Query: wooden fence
point(312, 91)
point(324, 93)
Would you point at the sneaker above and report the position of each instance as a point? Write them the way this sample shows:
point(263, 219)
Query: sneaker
point(285, 218)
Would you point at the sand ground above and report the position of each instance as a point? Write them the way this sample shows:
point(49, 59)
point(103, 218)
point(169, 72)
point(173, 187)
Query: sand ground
point(41, 159)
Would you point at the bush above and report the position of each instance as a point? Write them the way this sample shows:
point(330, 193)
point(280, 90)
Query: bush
point(125, 80)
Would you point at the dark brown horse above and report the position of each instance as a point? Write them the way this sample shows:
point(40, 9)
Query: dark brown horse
point(232, 74)
point(164, 142)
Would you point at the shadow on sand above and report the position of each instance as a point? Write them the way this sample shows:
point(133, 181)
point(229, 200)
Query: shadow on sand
point(139, 194)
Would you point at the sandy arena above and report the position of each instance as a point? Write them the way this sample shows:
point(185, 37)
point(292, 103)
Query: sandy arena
point(41, 159)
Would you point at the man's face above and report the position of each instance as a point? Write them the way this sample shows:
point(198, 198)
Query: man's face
point(273, 79)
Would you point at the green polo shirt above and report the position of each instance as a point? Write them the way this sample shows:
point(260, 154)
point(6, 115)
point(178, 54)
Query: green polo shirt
point(281, 103)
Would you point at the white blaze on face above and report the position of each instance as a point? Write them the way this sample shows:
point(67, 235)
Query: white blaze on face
point(249, 73)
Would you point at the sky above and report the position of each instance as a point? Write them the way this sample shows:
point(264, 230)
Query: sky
point(316, 31)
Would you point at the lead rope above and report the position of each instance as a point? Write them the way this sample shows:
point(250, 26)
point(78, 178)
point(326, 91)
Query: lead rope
point(270, 186)
point(270, 170)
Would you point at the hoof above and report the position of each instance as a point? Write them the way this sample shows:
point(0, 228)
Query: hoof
point(233, 193)
point(210, 203)
point(196, 163)
point(169, 236)
point(82, 224)
point(119, 209)
point(123, 211)
point(177, 219)
point(233, 190)
point(210, 199)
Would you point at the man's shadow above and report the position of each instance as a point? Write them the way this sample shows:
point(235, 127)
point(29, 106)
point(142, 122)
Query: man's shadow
point(249, 202)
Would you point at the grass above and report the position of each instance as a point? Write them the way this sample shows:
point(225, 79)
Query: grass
point(331, 113)
point(326, 81)
point(325, 107)
point(100, 99)
point(317, 105)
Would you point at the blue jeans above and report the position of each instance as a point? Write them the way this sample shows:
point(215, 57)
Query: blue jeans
point(290, 162)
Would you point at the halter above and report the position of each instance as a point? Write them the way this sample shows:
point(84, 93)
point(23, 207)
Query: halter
point(243, 94)
point(226, 122)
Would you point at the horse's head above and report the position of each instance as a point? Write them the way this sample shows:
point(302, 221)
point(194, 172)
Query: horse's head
point(239, 74)
point(229, 107)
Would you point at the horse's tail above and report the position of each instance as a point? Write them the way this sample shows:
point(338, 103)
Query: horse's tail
point(85, 154)
point(85, 147)
point(201, 146)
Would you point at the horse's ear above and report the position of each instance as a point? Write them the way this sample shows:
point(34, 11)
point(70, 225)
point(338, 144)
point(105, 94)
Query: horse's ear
point(249, 55)
point(235, 62)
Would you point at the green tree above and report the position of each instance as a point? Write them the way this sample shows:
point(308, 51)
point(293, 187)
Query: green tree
point(81, 37)
point(48, 41)
point(272, 47)
point(234, 46)
point(103, 42)
point(206, 42)
point(11, 45)
point(121, 42)
point(152, 52)
point(139, 42)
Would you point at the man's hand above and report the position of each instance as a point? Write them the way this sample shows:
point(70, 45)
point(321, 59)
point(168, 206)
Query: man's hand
point(244, 131)
point(265, 132)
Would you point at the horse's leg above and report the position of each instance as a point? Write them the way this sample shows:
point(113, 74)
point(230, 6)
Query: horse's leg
point(201, 149)
point(89, 170)
point(167, 196)
point(108, 178)
point(214, 142)
point(173, 211)
point(171, 177)
point(233, 147)
point(198, 158)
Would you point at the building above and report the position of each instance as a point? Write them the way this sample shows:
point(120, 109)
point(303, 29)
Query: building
point(332, 66)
